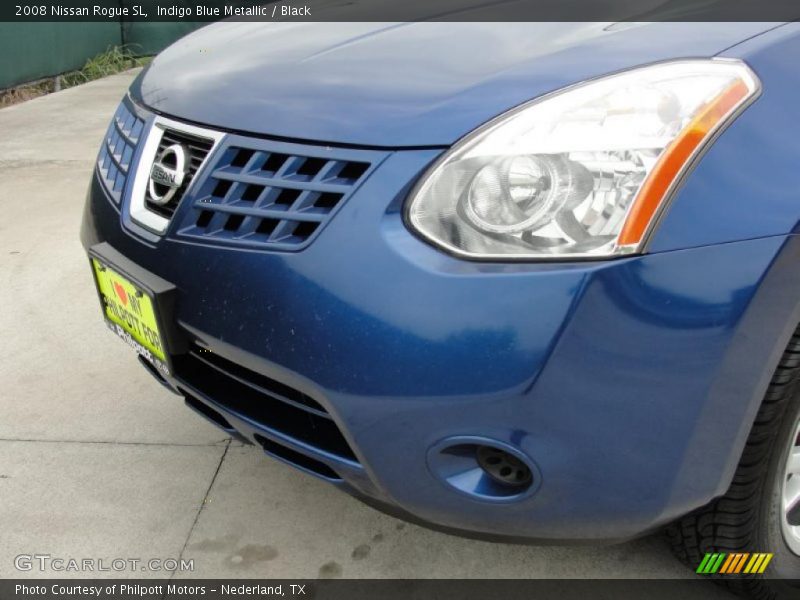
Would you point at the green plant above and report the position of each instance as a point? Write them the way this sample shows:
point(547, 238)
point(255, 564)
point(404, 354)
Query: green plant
point(114, 60)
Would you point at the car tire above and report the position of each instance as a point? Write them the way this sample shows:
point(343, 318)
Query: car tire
point(750, 516)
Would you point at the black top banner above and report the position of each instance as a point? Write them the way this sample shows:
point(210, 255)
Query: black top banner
point(399, 10)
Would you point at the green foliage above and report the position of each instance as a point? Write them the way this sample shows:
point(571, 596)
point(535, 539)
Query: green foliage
point(114, 60)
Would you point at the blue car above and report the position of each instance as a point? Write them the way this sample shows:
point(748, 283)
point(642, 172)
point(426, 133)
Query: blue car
point(533, 281)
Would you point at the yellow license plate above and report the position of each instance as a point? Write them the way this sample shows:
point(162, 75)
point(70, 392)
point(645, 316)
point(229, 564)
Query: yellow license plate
point(130, 313)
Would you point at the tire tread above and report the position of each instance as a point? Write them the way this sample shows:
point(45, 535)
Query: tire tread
point(728, 523)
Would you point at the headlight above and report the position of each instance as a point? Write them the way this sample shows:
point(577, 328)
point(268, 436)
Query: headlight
point(581, 172)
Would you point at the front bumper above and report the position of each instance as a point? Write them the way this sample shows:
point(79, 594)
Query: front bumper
point(629, 385)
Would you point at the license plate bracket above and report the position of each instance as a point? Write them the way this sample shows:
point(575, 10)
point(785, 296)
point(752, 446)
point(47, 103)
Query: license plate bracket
point(137, 306)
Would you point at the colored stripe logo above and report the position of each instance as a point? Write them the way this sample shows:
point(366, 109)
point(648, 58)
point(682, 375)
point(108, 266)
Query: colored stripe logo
point(734, 563)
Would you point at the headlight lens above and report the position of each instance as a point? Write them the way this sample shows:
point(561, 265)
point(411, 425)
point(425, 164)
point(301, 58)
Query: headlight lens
point(581, 172)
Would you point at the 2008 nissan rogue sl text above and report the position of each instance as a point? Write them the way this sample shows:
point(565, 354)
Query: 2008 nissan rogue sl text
point(526, 281)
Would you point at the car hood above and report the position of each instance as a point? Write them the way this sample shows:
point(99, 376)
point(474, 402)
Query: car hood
point(397, 85)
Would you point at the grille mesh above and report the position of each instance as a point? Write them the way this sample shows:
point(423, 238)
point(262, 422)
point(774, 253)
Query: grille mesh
point(271, 197)
point(116, 153)
point(271, 405)
point(239, 190)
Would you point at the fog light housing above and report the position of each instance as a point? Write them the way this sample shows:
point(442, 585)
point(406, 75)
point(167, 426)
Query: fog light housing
point(484, 469)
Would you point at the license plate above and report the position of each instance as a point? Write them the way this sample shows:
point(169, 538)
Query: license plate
point(130, 312)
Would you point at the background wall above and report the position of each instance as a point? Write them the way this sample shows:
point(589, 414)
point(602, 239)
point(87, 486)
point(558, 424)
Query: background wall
point(151, 38)
point(31, 51)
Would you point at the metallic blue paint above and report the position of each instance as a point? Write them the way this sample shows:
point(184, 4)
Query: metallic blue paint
point(743, 194)
point(407, 84)
point(631, 384)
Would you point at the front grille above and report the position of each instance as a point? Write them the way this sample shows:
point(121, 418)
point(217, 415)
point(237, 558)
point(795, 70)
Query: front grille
point(267, 403)
point(297, 459)
point(116, 153)
point(265, 194)
point(197, 149)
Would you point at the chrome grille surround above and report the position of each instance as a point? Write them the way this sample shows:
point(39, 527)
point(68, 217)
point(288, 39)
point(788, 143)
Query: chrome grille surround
point(140, 212)
point(243, 191)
